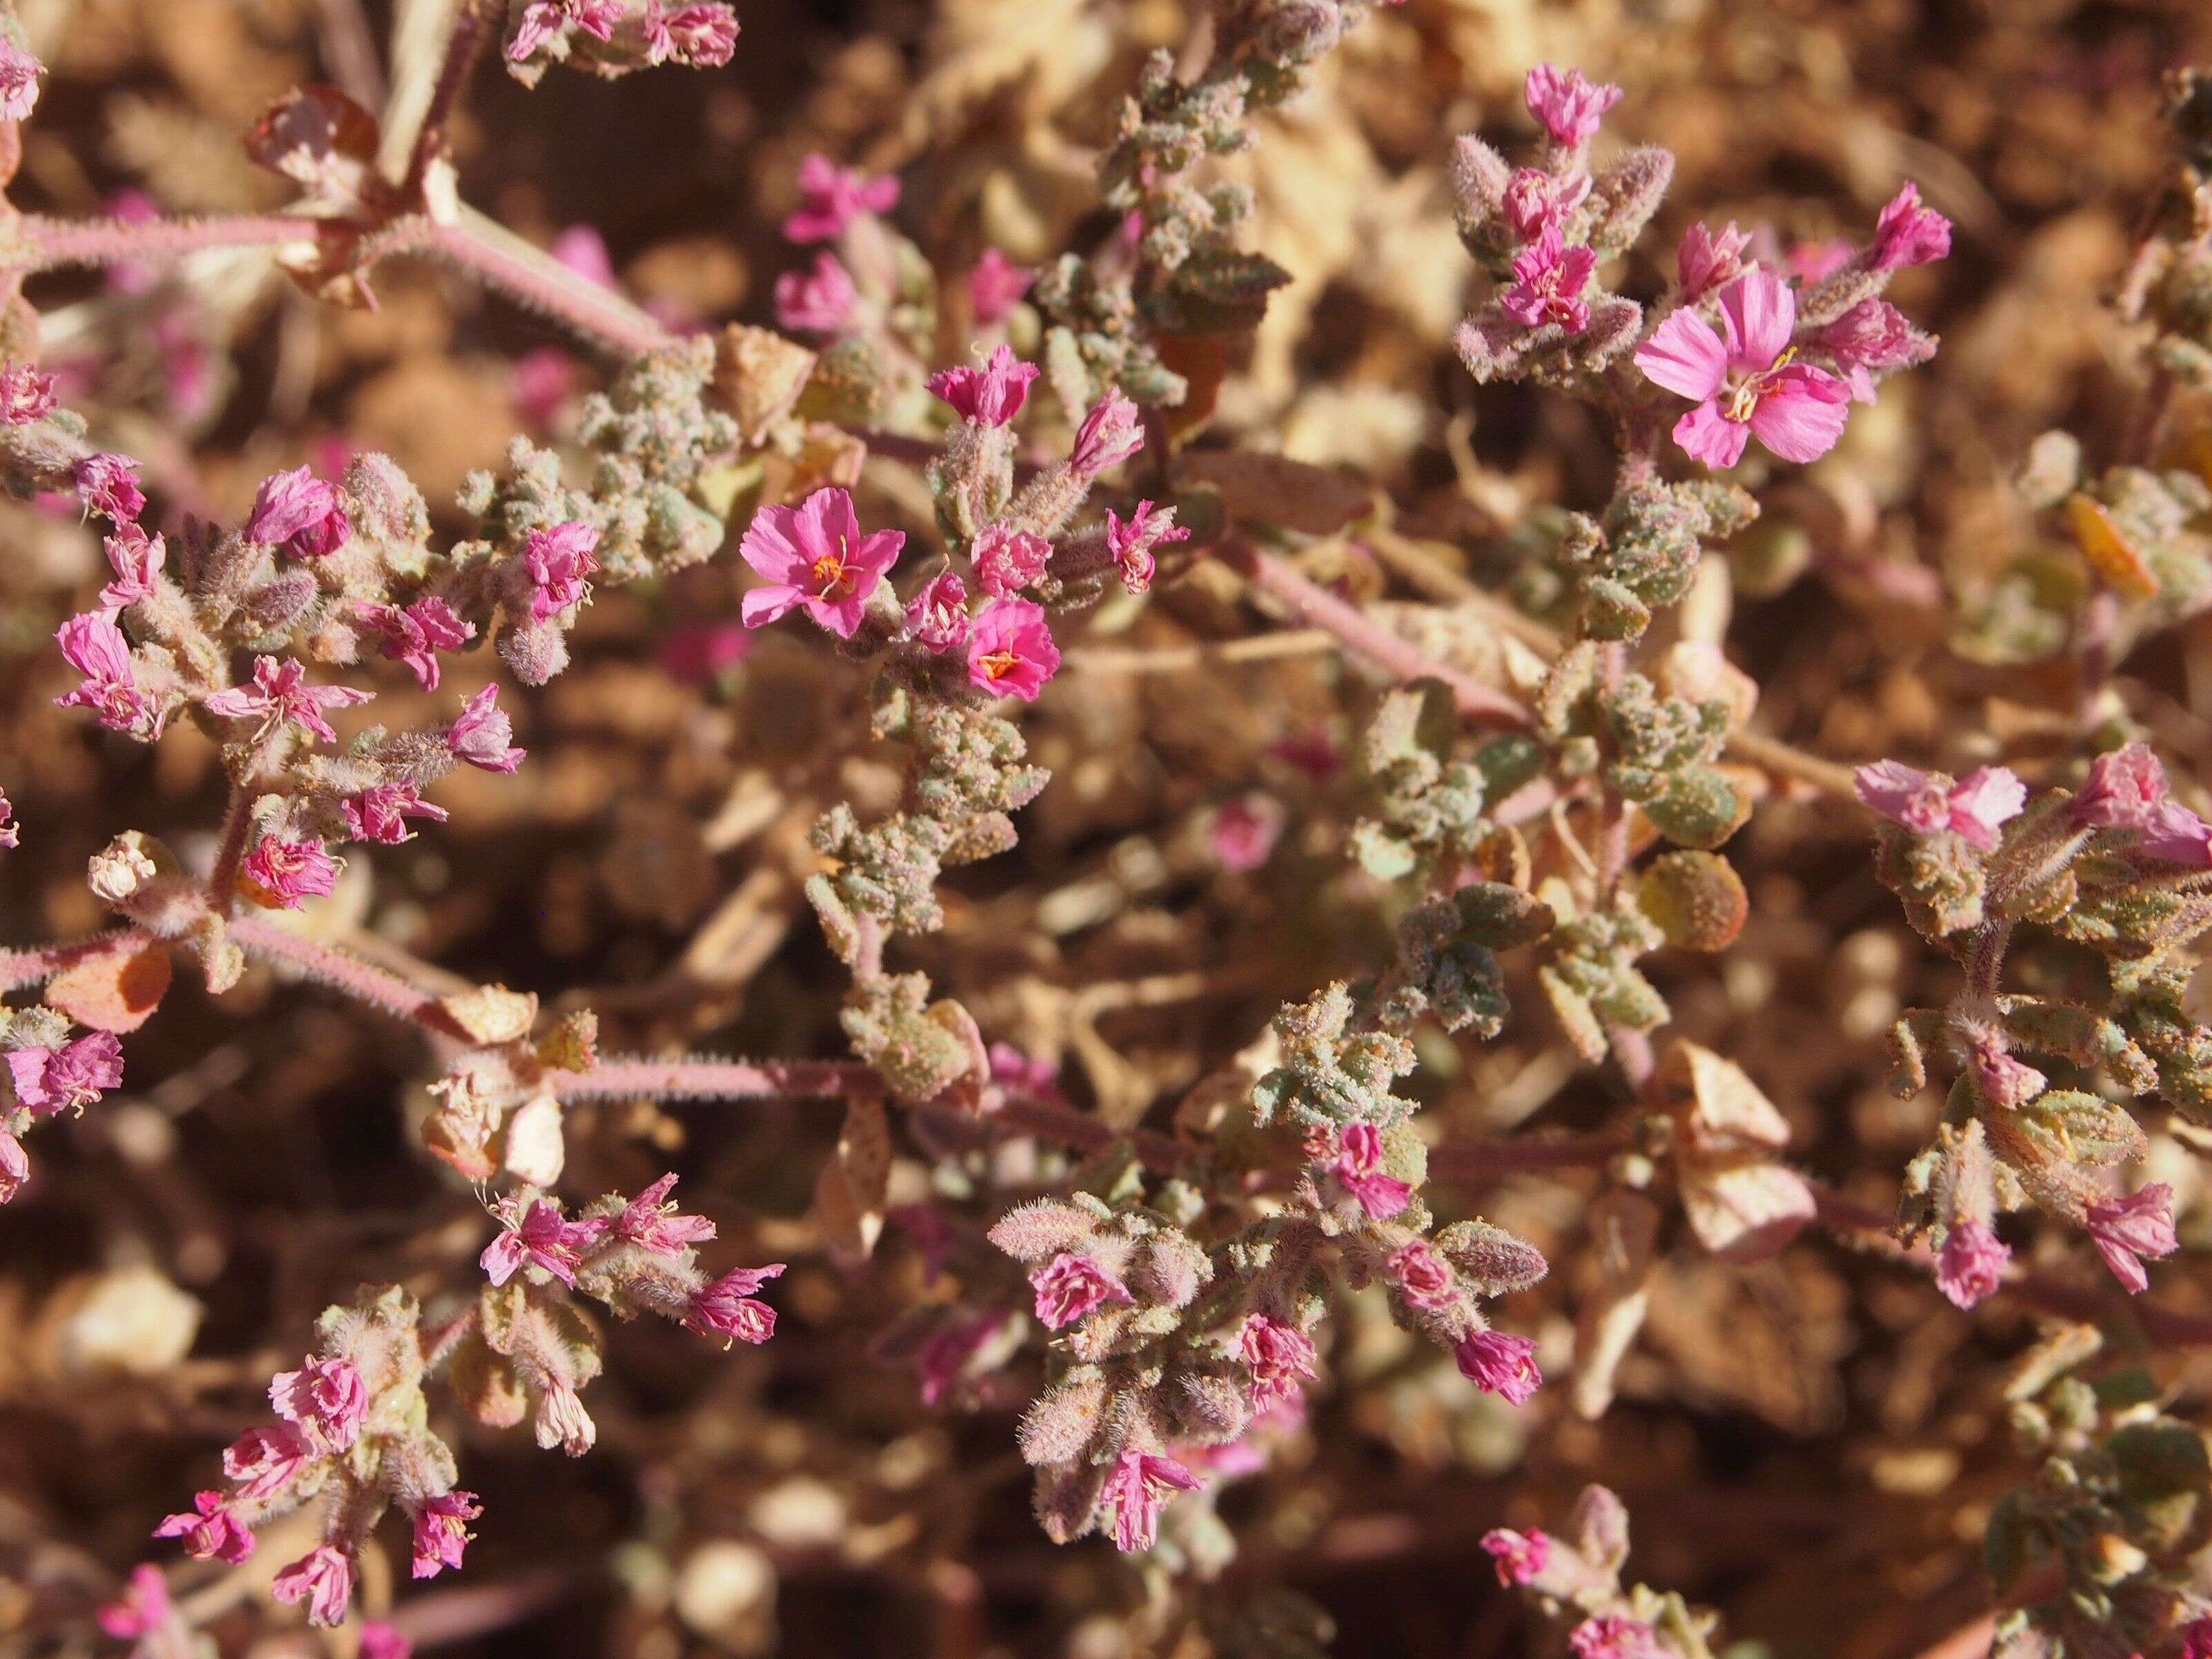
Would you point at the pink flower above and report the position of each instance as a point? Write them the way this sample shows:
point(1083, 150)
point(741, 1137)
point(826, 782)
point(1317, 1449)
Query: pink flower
point(15, 1166)
point(280, 694)
point(1131, 545)
point(942, 1361)
point(726, 1307)
point(538, 1236)
point(830, 196)
point(2124, 789)
point(1499, 1362)
point(1138, 1489)
point(325, 1398)
point(483, 735)
point(2003, 1081)
point(814, 556)
point(1279, 1356)
point(416, 635)
point(1422, 1276)
point(51, 1081)
point(1743, 377)
point(441, 1531)
point(281, 872)
point(1612, 1636)
point(1548, 279)
point(1008, 560)
point(379, 812)
point(323, 1578)
point(937, 617)
point(996, 286)
point(145, 1607)
point(1567, 105)
point(543, 19)
point(26, 393)
point(263, 1462)
point(2139, 1224)
point(1972, 1263)
point(2176, 834)
point(9, 832)
point(1358, 1169)
point(1036, 1076)
point(815, 301)
point(109, 484)
point(652, 1223)
point(698, 37)
point(2197, 1639)
point(544, 379)
point(697, 653)
point(93, 646)
point(298, 512)
point(136, 559)
point(990, 396)
point(1707, 259)
point(1520, 1556)
point(1244, 831)
point(1009, 650)
point(1929, 803)
point(19, 82)
point(556, 562)
point(209, 1530)
point(380, 1641)
point(1908, 234)
point(1112, 432)
point(1537, 202)
point(1814, 262)
point(581, 250)
point(1070, 1287)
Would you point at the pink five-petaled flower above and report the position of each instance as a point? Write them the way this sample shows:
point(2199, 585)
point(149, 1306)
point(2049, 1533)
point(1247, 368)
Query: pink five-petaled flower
point(280, 693)
point(1520, 1555)
point(1706, 258)
point(324, 1398)
point(1130, 543)
point(1499, 1362)
point(1008, 560)
point(379, 812)
point(652, 1223)
point(299, 513)
point(441, 1531)
point(698, 37)
point(726, 1307)
point(1112, 432)
point(2139, 1224)
point(1972, 1263)
point(996, 286)
point(1069, 1287)
point(1421, 1276)
point(1279, 1358)
point(144, 1608)
point(543, 19)
point(1536, 202)
point(2123, 789)
point(814, 557)
point(416, 635)
point(93, 646)
point(1548, 280)
point(19, 81)
point(1137, 1488)
point(990, 396)
point(831, 197)
point(557, 561)
point(1614, 1636)
point(483, 735)
point(1009, 650)
point(109, 484)
point(815, 301)
point(26, 394)
point(282, 870)
point(1565, 105)
point(263, 1462)
point(937, 616)
point(49, 1081)
point(136, 559)
point(209, 1529)
point(538, 1236)
point(323, 1578)
point(1743, 378)
point(1908, 234)
point(1974, 808)
point(1358, 1169)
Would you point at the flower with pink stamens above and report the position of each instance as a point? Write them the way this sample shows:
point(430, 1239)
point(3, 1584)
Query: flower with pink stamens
point(282, 871)
point(109, 484)
point(93, 646)
point(535, 1235)
point(937, 616)
point(416, 635)
point(816, 559)
point(557, 561)
point(1131, 543)
point(1008, 560)
point(441, 1531)
point(652, 1222)
point(1548, 280)
point(1537, 202)
point(1743, 379)
point(137, 560)
point(379, 812)
point(26, 394)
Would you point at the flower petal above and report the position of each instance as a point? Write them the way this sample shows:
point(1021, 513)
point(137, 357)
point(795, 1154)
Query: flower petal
point(1684, 356)
point(1707, 436)
point(1757, 314)
point(1801, 413)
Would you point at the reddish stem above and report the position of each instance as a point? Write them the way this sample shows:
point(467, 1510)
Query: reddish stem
point(698, 1078)
point(43, 243)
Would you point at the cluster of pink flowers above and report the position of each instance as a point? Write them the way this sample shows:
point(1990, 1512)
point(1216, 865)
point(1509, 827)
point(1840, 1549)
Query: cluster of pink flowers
point(48, 1081)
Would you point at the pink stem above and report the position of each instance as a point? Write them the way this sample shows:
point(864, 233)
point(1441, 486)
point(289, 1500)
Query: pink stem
point(47, 243)
point(625, 1075)
point(36, 965)
point(530, 278)
point(345, 974)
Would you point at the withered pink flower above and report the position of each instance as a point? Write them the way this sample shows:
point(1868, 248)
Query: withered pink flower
point(996, 286)
point(1873, 334)
point(831, 198)
point(19, 82)
point(558, 562)
point(698, 36)
point(282, 870)
point(1358, 1169)
point(816, 559)
point(144, 1608)
point(416, 635)
point(817, 300)
point(1743, 377)
point(483, 735)
point(379, 812)
point(1520, 1555)
point(1548, 280)
point(1537, 202)
point(324, 1398)
point(1112, 432)
point(299, 513)
point(1614, 1636)
point(2005, 1081)
point(441, 1531)
point(1908, 234)
point(1499, 1362)
point(1008, 560)
point(26, 393)
point(652, 1222)
point(543, 21)
point(109, 484)
point(136, 559)
point(263, 1462)
point(323, 1578)
point(2176, 834)
point(1567, 105)
point(280, 694)
point(1279, 1357)
point(209, 1529)
point(1070, 1287)
point(990, 396)
point(1010, 652)
point(727, 1308)
point(1131, 543)
point(2123, 789)
point(536, 1235)
point(1972, 1263)
point(51, 1081)
point(937, 616)
point(1706, 258)
point(1973, 808)
point(563, 1421)
point(2126, 1229)
point(1422, 1276)
point(15, 1166)
point(93, 646)
point(1137, 1490)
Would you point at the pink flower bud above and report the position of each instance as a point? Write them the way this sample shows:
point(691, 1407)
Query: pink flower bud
point(1070, 1287)
point(1908, 234)
point(2124, 789)
point(1706, 259)
point(299, 513)
point(990, 396)
point(1520, 1556)
point(995, 287)
point(1972, 1263)
point(1422, 1276)
point(1567, 105)
point(1111, 432)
